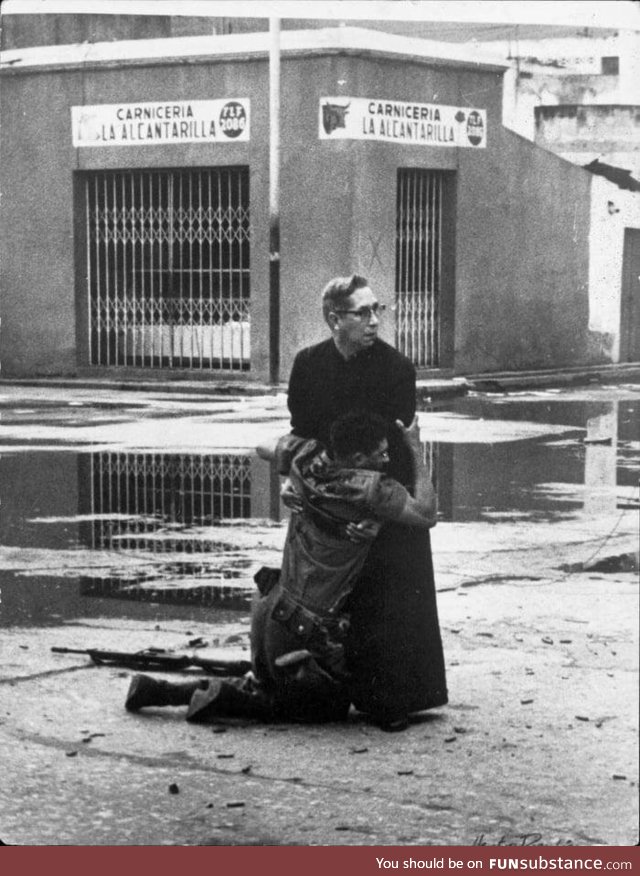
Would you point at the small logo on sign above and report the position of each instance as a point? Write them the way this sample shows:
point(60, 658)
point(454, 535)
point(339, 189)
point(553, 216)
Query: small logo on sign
point(334, 116)
point(475, 128)
point(233, 119)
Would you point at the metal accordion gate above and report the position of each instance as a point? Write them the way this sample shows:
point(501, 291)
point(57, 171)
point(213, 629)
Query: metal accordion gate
point(168, 267)
point(419, 265)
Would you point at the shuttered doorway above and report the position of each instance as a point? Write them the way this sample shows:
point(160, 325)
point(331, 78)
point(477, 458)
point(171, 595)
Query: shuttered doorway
point(419, 264)
point(168, 268)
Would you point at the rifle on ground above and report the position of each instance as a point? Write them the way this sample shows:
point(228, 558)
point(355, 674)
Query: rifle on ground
point(159, 660)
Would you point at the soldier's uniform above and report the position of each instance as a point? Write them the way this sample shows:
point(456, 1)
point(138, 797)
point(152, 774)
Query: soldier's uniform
point(320, 564)
point(298, 624)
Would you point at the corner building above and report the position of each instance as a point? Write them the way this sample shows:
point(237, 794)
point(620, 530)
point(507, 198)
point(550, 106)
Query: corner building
point(135, 232)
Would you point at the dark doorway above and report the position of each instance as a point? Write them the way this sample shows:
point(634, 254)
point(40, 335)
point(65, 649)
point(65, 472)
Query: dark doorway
point(630, 299)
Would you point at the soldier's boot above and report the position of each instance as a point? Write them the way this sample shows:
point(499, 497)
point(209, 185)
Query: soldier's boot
point(146, 691)
point(224, 698)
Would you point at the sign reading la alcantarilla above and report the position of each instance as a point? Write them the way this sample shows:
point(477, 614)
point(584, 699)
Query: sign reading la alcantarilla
point(162, 122)
point(396, 121)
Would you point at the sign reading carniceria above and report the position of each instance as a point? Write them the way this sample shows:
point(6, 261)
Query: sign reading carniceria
point(396, 121)
point(143, 124)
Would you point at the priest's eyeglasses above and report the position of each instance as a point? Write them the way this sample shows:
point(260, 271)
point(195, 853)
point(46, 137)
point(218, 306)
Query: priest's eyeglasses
point(366, 312)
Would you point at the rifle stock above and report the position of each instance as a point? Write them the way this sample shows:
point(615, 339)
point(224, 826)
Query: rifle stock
point(157, 660)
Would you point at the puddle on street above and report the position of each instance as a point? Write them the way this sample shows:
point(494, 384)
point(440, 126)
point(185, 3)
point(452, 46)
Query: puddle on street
point(589, 466)
point(41, 601)
point(164, 535)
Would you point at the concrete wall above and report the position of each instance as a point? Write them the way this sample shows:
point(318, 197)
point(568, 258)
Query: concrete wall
point(38, 298)
point(530, 91)
point(582, 133)
point(612, 210)
point(523, 261)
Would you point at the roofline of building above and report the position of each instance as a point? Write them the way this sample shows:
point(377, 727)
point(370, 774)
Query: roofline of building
point(245, 47)
point(546, 107)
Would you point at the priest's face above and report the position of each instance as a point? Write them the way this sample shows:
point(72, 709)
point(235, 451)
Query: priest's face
point(355, 325)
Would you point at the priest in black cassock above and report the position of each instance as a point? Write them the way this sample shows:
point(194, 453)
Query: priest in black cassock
point(394, 650)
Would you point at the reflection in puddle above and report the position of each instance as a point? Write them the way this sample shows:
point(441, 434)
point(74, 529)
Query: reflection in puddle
point(190, 586)
point(182, 529)
point(589, 469)
point(48, 601)
point(157, 528)
point(165, 503)
point(152, 492)
point(600, 476)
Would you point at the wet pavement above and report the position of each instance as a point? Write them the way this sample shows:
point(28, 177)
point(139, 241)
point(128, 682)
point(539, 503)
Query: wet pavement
point(131, 520)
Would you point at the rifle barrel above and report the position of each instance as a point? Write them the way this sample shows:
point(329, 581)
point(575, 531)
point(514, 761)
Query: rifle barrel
point(159, 661)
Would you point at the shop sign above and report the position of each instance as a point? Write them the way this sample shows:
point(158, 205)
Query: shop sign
point(395, 121)
point(146, 124)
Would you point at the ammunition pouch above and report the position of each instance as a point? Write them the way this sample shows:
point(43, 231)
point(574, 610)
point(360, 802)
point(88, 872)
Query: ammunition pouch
point(308, 624)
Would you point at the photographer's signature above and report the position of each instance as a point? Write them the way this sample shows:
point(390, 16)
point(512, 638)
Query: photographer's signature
point(518, 839)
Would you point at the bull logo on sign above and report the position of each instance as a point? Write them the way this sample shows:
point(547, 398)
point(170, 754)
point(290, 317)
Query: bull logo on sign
point(333, 116)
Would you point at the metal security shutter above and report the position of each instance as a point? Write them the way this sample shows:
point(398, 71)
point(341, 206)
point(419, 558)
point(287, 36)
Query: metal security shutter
point(419, 265)
point(168, 265)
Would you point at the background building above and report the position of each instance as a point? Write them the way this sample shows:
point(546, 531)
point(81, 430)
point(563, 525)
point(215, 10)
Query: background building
point(553, 68)
point(136, 215)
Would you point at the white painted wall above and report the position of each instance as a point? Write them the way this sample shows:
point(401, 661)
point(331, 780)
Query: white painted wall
point(544, 82)
point(612, 210)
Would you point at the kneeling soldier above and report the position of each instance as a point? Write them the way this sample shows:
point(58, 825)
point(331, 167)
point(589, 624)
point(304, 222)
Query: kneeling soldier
point(298, 623)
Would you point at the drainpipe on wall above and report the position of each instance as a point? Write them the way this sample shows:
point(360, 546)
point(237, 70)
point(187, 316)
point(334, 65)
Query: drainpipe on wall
point(274, 201)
